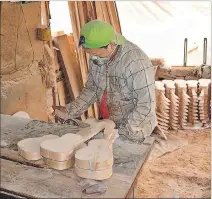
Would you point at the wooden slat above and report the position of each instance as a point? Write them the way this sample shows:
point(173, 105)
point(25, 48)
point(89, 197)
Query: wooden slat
point(111, 7)
point(72, 11)
point(91, 14)
point(105, 12)
point(99, 11)
point(61, 93)
point(69, 64)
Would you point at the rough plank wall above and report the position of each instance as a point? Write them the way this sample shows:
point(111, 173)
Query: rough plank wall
point(21, 83)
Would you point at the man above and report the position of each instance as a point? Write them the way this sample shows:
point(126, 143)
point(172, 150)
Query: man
point(121, 80)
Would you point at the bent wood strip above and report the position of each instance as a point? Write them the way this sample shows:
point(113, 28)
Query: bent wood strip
point(59, 165)
point(95, 175)
point(30, 148)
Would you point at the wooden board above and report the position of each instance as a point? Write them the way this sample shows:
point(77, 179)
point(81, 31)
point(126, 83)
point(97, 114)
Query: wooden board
point(39, 183)
point(69, 64)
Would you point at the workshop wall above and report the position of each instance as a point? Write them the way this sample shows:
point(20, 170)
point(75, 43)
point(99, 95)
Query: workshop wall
point(22, 88)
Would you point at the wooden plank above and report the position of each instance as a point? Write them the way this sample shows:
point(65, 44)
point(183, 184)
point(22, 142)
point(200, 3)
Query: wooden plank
point(72, 12)
point(69, 64)
point(111, 7)
point(105, 12)
point(61, 93)
point(99, 11)
point(91, 14)
point(180, 72)
point(62, 66)
point(44, 15)
point(39, 182)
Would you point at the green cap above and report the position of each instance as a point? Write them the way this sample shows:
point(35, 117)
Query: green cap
point(96, 34)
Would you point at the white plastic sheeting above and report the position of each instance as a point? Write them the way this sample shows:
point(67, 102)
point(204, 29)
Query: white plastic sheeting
point(160, 27)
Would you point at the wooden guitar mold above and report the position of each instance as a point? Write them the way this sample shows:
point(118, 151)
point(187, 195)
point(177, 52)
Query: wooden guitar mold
point(193, 106)
point(30, 148)
point(184, 100)
point(174, 103)
point(204, 100)
point(62, 148)
point(96, 156)
point(162, 106)
point(58, 154)
point(94, 161)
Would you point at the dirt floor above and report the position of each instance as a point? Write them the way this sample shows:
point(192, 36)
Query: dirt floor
point(182, 173)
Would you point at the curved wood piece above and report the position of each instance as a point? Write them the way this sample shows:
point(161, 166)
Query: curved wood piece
point(96, 156)
point(30, 148)
point(95, 175)
point(61, 149)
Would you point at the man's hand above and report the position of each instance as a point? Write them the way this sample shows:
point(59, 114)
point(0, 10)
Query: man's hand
point(61, 112)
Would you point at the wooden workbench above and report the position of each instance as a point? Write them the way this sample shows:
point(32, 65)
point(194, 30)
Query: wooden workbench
point(34, 179)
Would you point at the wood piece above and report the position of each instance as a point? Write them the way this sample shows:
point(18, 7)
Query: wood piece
point(61, 93)
point(113, 14)
point(99, 11)
point(30, 148)
point(61, 149)
point(174, 103)
point(95, 175)
point(180, 72)
point(193, 106)
point(59, 165)
point(73, 76)
point(162, 106)
point(96, 156)
point(97, 126)
point(37, 182)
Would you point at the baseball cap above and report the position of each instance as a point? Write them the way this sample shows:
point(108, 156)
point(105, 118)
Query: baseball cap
point(97, 33)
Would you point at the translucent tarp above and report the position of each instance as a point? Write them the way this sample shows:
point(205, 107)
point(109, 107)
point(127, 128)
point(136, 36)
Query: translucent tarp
point(160, 27)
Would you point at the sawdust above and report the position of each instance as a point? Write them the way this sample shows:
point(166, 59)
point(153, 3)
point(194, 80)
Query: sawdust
point(184, 173)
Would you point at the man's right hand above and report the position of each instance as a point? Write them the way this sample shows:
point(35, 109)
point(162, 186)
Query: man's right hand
point(61, 112)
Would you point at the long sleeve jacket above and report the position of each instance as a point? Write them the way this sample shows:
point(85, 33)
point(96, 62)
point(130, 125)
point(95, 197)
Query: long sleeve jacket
point(130, 86)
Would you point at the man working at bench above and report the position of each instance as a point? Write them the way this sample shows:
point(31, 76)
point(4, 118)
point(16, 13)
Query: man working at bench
point(121, 80)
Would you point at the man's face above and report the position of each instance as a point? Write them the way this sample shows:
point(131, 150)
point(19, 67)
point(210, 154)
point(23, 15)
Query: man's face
point(100, 52)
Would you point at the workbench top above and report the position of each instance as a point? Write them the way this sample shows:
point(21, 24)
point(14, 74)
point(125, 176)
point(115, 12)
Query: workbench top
point(35, 179)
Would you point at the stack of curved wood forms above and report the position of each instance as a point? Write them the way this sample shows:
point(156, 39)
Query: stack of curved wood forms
point(193, 106)
point(184, 100)
point(162, 106)
point(174, 103)
point(204, 100)
point(94, 161)
point(183, 104)
point(59, 152)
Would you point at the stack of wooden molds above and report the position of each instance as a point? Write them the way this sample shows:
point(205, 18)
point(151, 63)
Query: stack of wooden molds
point(94, 161)
point(183, 104)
